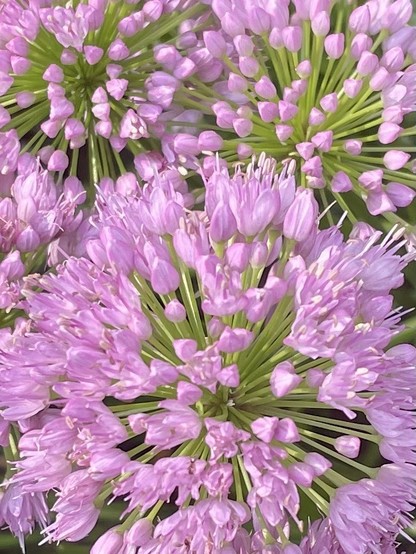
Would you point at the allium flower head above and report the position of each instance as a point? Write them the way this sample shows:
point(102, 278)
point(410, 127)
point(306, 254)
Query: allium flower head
point(192, 367)
point(34, 212)
point(73, 79)
point(327, 83)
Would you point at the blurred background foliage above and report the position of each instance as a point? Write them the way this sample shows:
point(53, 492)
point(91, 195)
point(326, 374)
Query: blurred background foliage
point(406, 297)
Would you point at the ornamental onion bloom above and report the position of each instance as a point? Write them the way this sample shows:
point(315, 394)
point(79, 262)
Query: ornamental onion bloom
point(192, 367)
point(327, 83)
point(35, 211)
point(73, 79)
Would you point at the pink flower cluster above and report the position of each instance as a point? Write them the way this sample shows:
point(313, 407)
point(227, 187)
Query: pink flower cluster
point(77, 75)
point(192, 337)
point(34, 212)
point(210, 336)
point(283, 77)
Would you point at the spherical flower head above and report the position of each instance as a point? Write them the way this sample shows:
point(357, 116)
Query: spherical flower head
point(73, 80)
point(196, 360)
point(325, 83)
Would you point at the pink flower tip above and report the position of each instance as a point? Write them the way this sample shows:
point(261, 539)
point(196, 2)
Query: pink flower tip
point(59, 161)
point(284, 379)
point(348, 446)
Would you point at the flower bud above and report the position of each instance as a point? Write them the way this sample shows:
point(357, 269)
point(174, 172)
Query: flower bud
point(393, 114)
point(397, 15)
point(175, 311)
point(341, 182)
point(353, 147)
point(232, 25)
point(367, 63)
point(321, 24)
point(360, 43)
point(393, 59)
point(244, 45)
point(185, 349)
point(348, 446)
point(20, 65)
point(287, 431)
point(292, 38)
point(304, 69)
point(117, 88)
point(223, 224)
point(316, 117)
point(186, 144)
point(303, 475)
point(235, 340)
point(25, 99)
point(352, 87)
point(305, 149)
point(268, 111)
point(381, 79)
point(130, 25)
point(68, 57)
point(215, 43)
point(265, 88)
point(242, 126)
point(118, 50)
point(284, 379)
point(318, 462)
point(236, 83)
point(109, 543)
point(301, 216)
point(258, 20)
point(225, 114)
point(53, 74)
point(329, 103)
point(229, 376)
point(210, 140)
point(323, 140)
point(93, 54)
point(4, 117)
point(360, 19)
point(371, 180)
point(244, 151)
point(287, 110)
point(400, 195)
point(188, 393)
point(334, 45)
point(395, 159)
point(249, 66)
point(59, 161)
point(215, 327)
point(388, 132)
point(139, 533)
point(313, 167)
point(283, 132)
point(265, 428)
point(164, 277)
